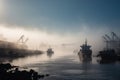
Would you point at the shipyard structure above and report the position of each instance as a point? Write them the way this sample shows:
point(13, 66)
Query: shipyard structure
point(112, 50)
point(16, 49)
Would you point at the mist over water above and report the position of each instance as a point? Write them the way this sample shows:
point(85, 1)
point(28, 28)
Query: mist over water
point(41, 39)
point(64, 66)
point(47, 36)
point(65, 63)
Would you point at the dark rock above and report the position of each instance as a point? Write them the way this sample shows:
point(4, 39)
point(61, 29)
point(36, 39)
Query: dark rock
point(6, 73)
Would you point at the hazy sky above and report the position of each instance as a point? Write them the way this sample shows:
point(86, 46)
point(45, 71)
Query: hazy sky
point(61, 15)
point(88, 17)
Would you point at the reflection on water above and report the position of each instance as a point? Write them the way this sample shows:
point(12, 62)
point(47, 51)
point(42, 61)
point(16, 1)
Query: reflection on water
point(43, 58)
point(31, 59)
point(50, 54)
point(84, 60)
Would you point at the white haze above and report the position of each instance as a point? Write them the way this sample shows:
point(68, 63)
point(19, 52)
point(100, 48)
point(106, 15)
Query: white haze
point(41, 39)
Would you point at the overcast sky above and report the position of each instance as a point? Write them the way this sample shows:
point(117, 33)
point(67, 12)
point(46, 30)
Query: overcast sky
point(61, 15)
point(76, 19)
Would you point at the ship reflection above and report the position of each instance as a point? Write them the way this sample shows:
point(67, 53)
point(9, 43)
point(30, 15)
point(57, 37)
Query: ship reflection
point(11, 59)
point(50, 54)
point(85, 59)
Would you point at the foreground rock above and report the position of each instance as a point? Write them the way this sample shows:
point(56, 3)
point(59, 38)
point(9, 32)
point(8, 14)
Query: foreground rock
point(9, 72)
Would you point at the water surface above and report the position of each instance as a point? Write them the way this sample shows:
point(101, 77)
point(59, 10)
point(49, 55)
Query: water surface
point(69, 67)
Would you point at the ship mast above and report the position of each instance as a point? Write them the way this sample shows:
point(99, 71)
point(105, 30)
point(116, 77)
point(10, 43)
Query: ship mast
point(85, 41)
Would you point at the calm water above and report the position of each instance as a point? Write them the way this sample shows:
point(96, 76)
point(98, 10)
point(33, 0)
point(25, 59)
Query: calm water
point(69, 67)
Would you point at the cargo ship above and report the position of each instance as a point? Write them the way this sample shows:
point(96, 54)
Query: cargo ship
point(85, 52)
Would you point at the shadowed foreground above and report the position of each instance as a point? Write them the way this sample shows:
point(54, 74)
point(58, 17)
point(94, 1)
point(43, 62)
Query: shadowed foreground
point(9, 72)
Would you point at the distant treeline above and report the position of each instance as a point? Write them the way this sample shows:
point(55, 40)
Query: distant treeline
point(17, 53)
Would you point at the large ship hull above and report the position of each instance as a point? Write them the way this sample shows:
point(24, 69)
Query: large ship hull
point(107, 55)
point(85, 55)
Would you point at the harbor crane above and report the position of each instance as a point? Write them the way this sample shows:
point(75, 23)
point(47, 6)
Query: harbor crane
point(114, 36)
point(112, 41)
point(23, 41)
point(107, 37)
point(106, 40)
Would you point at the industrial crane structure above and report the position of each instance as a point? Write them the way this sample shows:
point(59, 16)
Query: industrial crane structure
point(22, 41)
point(112, 42)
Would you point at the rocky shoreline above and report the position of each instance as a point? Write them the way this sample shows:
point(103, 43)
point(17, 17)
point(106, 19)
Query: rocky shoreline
point(10, 72)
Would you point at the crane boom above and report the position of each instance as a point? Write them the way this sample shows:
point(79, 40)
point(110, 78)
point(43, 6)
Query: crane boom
point(115, 36)
point(21, 39)
point(107, 37)
point(25, 40)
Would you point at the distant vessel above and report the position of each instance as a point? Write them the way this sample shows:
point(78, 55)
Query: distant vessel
point(85, 52)
point(112, 49)
point(49, 51)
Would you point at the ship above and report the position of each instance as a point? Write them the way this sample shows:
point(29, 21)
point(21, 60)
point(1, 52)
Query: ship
point(85, 52)
point(49, 51)
point(112, 50)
